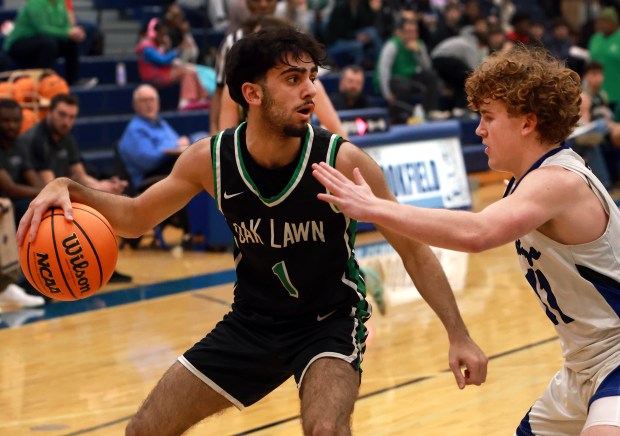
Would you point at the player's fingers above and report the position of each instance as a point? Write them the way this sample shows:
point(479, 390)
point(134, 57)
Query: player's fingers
point(476, 373)
point(458, 375)
point(24, 223)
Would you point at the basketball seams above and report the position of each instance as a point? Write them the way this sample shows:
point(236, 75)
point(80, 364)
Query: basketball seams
point(60, 266)
point(93, 248)
point(98, 217)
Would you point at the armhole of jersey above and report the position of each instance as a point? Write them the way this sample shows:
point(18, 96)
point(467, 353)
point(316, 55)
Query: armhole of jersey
point(215, 162)
point(334, 145)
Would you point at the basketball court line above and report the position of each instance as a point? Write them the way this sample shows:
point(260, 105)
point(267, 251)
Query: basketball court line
point(361, 397)
point(146, 292)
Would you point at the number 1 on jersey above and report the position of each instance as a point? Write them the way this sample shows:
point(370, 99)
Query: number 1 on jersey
point(279, 269)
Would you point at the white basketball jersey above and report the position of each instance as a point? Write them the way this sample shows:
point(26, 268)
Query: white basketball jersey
point(578, 286)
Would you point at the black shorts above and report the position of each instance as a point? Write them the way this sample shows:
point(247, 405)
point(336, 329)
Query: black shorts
point(248, 355)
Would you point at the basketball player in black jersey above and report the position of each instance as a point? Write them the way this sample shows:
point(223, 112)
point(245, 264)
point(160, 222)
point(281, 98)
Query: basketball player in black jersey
point(299, 306)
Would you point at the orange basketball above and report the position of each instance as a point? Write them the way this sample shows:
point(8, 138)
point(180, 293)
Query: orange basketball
point(6, 90)
point(52, 85)
point(70, 260)
point(24, 89)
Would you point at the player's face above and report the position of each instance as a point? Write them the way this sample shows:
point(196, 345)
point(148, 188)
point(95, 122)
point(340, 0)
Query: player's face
point(10, 123)
point(500, 134)
point(288, 93)
point(62, 118)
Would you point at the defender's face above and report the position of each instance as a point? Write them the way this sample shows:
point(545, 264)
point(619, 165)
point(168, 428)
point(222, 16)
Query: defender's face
point(501, 135)
point(288, 93)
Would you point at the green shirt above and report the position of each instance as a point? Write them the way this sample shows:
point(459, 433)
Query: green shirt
point(606, 50)
point(39, 17)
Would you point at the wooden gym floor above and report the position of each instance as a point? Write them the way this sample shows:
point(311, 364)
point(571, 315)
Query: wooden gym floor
point(83, 368)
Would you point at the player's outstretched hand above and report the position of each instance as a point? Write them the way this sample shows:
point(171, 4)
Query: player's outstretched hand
point(355, 200)
point(55, 194)
point(467, 362)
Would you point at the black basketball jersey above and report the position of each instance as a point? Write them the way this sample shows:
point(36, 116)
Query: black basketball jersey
point(293, 252)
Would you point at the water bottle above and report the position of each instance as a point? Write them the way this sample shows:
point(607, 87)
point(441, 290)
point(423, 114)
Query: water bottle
point(121, 76)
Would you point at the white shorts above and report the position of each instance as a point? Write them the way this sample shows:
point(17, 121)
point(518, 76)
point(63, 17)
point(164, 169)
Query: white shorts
point(573, 402)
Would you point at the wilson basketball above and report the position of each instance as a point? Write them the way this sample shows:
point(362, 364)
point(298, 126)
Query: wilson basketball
point(70, 260)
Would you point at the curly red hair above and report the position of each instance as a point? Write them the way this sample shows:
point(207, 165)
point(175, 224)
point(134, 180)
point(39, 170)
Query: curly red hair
point(529, 81)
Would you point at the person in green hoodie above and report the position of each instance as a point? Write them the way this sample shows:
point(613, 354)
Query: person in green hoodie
point(43, 33)
point(404, 71)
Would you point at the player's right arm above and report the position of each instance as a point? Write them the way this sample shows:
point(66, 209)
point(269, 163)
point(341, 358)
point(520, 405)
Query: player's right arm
point(130, 217)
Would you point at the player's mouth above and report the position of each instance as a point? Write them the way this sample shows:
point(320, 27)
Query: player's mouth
point(305, 111)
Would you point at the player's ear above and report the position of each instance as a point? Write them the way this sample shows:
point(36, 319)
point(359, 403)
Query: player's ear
point(252, 93)
point(530, 121)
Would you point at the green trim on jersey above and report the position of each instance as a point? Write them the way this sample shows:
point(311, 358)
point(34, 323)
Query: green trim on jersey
point(215, 163)
point(297, 176)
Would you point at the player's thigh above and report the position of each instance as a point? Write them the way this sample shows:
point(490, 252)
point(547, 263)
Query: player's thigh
point(329, 390)
point(560, 411)
point(178, 401)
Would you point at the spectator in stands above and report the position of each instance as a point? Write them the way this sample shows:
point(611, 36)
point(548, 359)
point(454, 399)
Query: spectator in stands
point(42, 34)
point(405, 71)
point(149, 145)
point(350, 89)
point(454, 59)
point(449, 24)
point(521, 23)
point(603, 48)
point(149, 148)
point(11, 294)
point(160, 65)
point(351, 36)
point(179, 33)
point(55, 153)
point(18, 180)
point(594, 108)
point(560, 44)
point(295, 12)
point(93, 37)
point(228, 114)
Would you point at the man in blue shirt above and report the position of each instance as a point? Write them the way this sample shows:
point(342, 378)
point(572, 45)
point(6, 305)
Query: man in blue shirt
point(149, 146)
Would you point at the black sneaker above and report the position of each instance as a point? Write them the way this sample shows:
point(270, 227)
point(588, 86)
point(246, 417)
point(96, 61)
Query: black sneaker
point(120, 278)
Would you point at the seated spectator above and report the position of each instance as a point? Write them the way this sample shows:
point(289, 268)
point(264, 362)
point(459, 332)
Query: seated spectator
point(93, 40)
point(180, 34)
point(351, 35)
point(454, 59)
point(404, 71)
point(55, 153)
point(560, 44)
point(43, 33)
point(350, 89)
point(594, 108)
point(18, 180)
point(149, 148)
point(11, 295)
point(603, 47)
point(160, 65)
point(521, 23)
point(449, 24)
point(149, 145)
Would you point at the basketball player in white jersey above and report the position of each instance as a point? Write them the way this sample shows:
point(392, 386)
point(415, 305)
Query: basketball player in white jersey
point(566, 227)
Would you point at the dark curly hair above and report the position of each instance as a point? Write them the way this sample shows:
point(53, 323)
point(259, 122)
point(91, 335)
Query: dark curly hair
point(252, 56)
point(529, 81)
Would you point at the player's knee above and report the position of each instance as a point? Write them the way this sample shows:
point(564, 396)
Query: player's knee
point(134, 428)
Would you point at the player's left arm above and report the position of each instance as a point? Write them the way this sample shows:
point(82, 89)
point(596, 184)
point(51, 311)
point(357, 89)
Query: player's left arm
point(325, 111)
point(425, 271)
